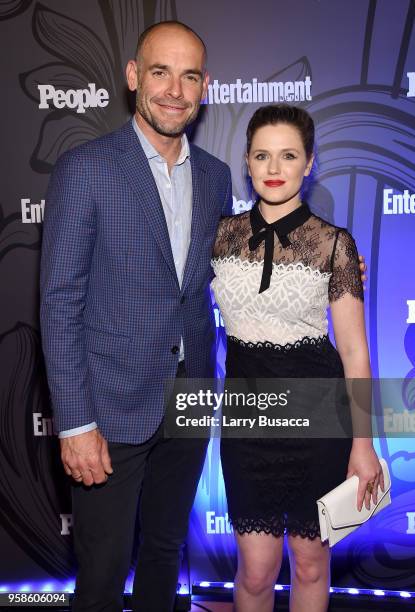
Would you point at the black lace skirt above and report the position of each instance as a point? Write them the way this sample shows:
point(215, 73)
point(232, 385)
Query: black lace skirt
point(272, 484)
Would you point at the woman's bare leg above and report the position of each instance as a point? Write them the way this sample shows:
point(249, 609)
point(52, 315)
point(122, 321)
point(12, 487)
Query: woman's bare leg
point(259, 563)
point(310, 574)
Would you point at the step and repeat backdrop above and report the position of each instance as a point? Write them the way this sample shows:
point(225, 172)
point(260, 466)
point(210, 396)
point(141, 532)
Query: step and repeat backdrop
point(352, 65)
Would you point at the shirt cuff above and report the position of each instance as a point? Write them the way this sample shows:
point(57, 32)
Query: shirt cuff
point(77, 430)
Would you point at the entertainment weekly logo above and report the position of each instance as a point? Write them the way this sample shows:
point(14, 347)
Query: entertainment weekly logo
point(411, 87)
point(398, 203)
point(32, 213)
point(240, 206)
point(411, 311)
point(216, 524)
point(252, 92)
point(66, 524)
point(411, 523)
point(218, 317)
point(78, 99)
point(43, 426)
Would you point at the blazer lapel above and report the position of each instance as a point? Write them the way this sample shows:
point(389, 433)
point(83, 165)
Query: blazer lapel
point(136, 169)
point(199, 210)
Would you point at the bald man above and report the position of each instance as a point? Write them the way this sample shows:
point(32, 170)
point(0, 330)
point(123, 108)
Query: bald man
point(129, 227)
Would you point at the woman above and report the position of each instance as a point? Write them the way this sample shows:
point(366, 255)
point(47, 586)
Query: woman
point(278, 267)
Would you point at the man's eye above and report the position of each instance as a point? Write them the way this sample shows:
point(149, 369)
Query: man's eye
point(193, 78)
point(158, 73)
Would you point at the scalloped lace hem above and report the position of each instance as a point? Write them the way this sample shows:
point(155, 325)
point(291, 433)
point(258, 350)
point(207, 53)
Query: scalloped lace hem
point(283, 348)
point(277, 527)
point(247, 265)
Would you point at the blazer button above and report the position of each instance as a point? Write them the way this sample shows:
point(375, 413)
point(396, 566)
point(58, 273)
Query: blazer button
point(175, 349)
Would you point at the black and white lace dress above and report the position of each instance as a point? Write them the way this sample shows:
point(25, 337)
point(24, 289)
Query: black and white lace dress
point(273, 284)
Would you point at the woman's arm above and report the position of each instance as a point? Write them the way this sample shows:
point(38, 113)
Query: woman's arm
point(347, 310)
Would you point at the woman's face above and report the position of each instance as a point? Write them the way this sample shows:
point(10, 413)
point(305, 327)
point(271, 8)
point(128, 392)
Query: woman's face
point(277, 163)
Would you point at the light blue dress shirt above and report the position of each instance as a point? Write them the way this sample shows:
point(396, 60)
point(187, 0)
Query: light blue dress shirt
point(176, 195)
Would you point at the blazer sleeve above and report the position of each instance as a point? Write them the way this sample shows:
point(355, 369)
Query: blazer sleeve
point(227, 203)
point(68, 244)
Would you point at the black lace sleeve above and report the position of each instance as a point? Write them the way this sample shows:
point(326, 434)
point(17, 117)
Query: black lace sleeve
point(345, 276)
point(221, 242)
point(232, 237)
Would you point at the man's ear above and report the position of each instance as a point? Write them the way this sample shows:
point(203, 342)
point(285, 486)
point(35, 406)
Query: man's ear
point(205, 84)
point(131, 75)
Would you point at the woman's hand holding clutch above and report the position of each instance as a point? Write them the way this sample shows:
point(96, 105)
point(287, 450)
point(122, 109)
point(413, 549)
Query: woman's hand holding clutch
point(364, 463)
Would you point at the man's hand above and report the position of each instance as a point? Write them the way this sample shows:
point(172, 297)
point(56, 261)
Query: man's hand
point(363, 269)
point(85, 457)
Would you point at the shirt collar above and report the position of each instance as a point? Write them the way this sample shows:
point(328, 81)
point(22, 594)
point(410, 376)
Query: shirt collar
point(264, 232)
point(151, 153)
point(283, 226)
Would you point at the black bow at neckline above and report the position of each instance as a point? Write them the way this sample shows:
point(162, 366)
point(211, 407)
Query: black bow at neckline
point(263, 231)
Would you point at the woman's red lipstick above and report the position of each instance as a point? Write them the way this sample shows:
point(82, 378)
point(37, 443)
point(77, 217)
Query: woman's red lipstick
point(274, 183)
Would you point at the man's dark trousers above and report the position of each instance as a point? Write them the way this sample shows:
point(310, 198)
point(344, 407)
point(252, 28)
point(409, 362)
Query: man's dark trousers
point(166, 471)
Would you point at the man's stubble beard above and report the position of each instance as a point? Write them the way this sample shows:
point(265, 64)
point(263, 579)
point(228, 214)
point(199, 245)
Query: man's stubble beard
point(157, 126)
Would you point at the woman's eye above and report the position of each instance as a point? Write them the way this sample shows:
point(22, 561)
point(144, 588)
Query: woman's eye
point(290, 156)
point(260, 156)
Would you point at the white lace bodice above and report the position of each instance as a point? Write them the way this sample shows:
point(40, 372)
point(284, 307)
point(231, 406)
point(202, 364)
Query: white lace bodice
point(319, 265)
point(282, 314)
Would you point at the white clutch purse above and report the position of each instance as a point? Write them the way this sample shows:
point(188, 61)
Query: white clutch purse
point(337, 511)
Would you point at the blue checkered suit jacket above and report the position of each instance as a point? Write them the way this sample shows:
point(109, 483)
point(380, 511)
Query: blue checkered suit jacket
point(112, 311)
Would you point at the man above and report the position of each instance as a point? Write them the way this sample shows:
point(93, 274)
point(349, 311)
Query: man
point(129, 228)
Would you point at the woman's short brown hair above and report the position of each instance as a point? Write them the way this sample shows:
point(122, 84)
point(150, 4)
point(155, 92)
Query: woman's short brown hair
point(283, 113)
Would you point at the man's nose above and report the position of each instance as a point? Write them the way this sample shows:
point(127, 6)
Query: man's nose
point(175, 88)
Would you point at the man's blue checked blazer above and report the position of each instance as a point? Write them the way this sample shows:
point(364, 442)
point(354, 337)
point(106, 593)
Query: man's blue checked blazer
point(112, 310)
